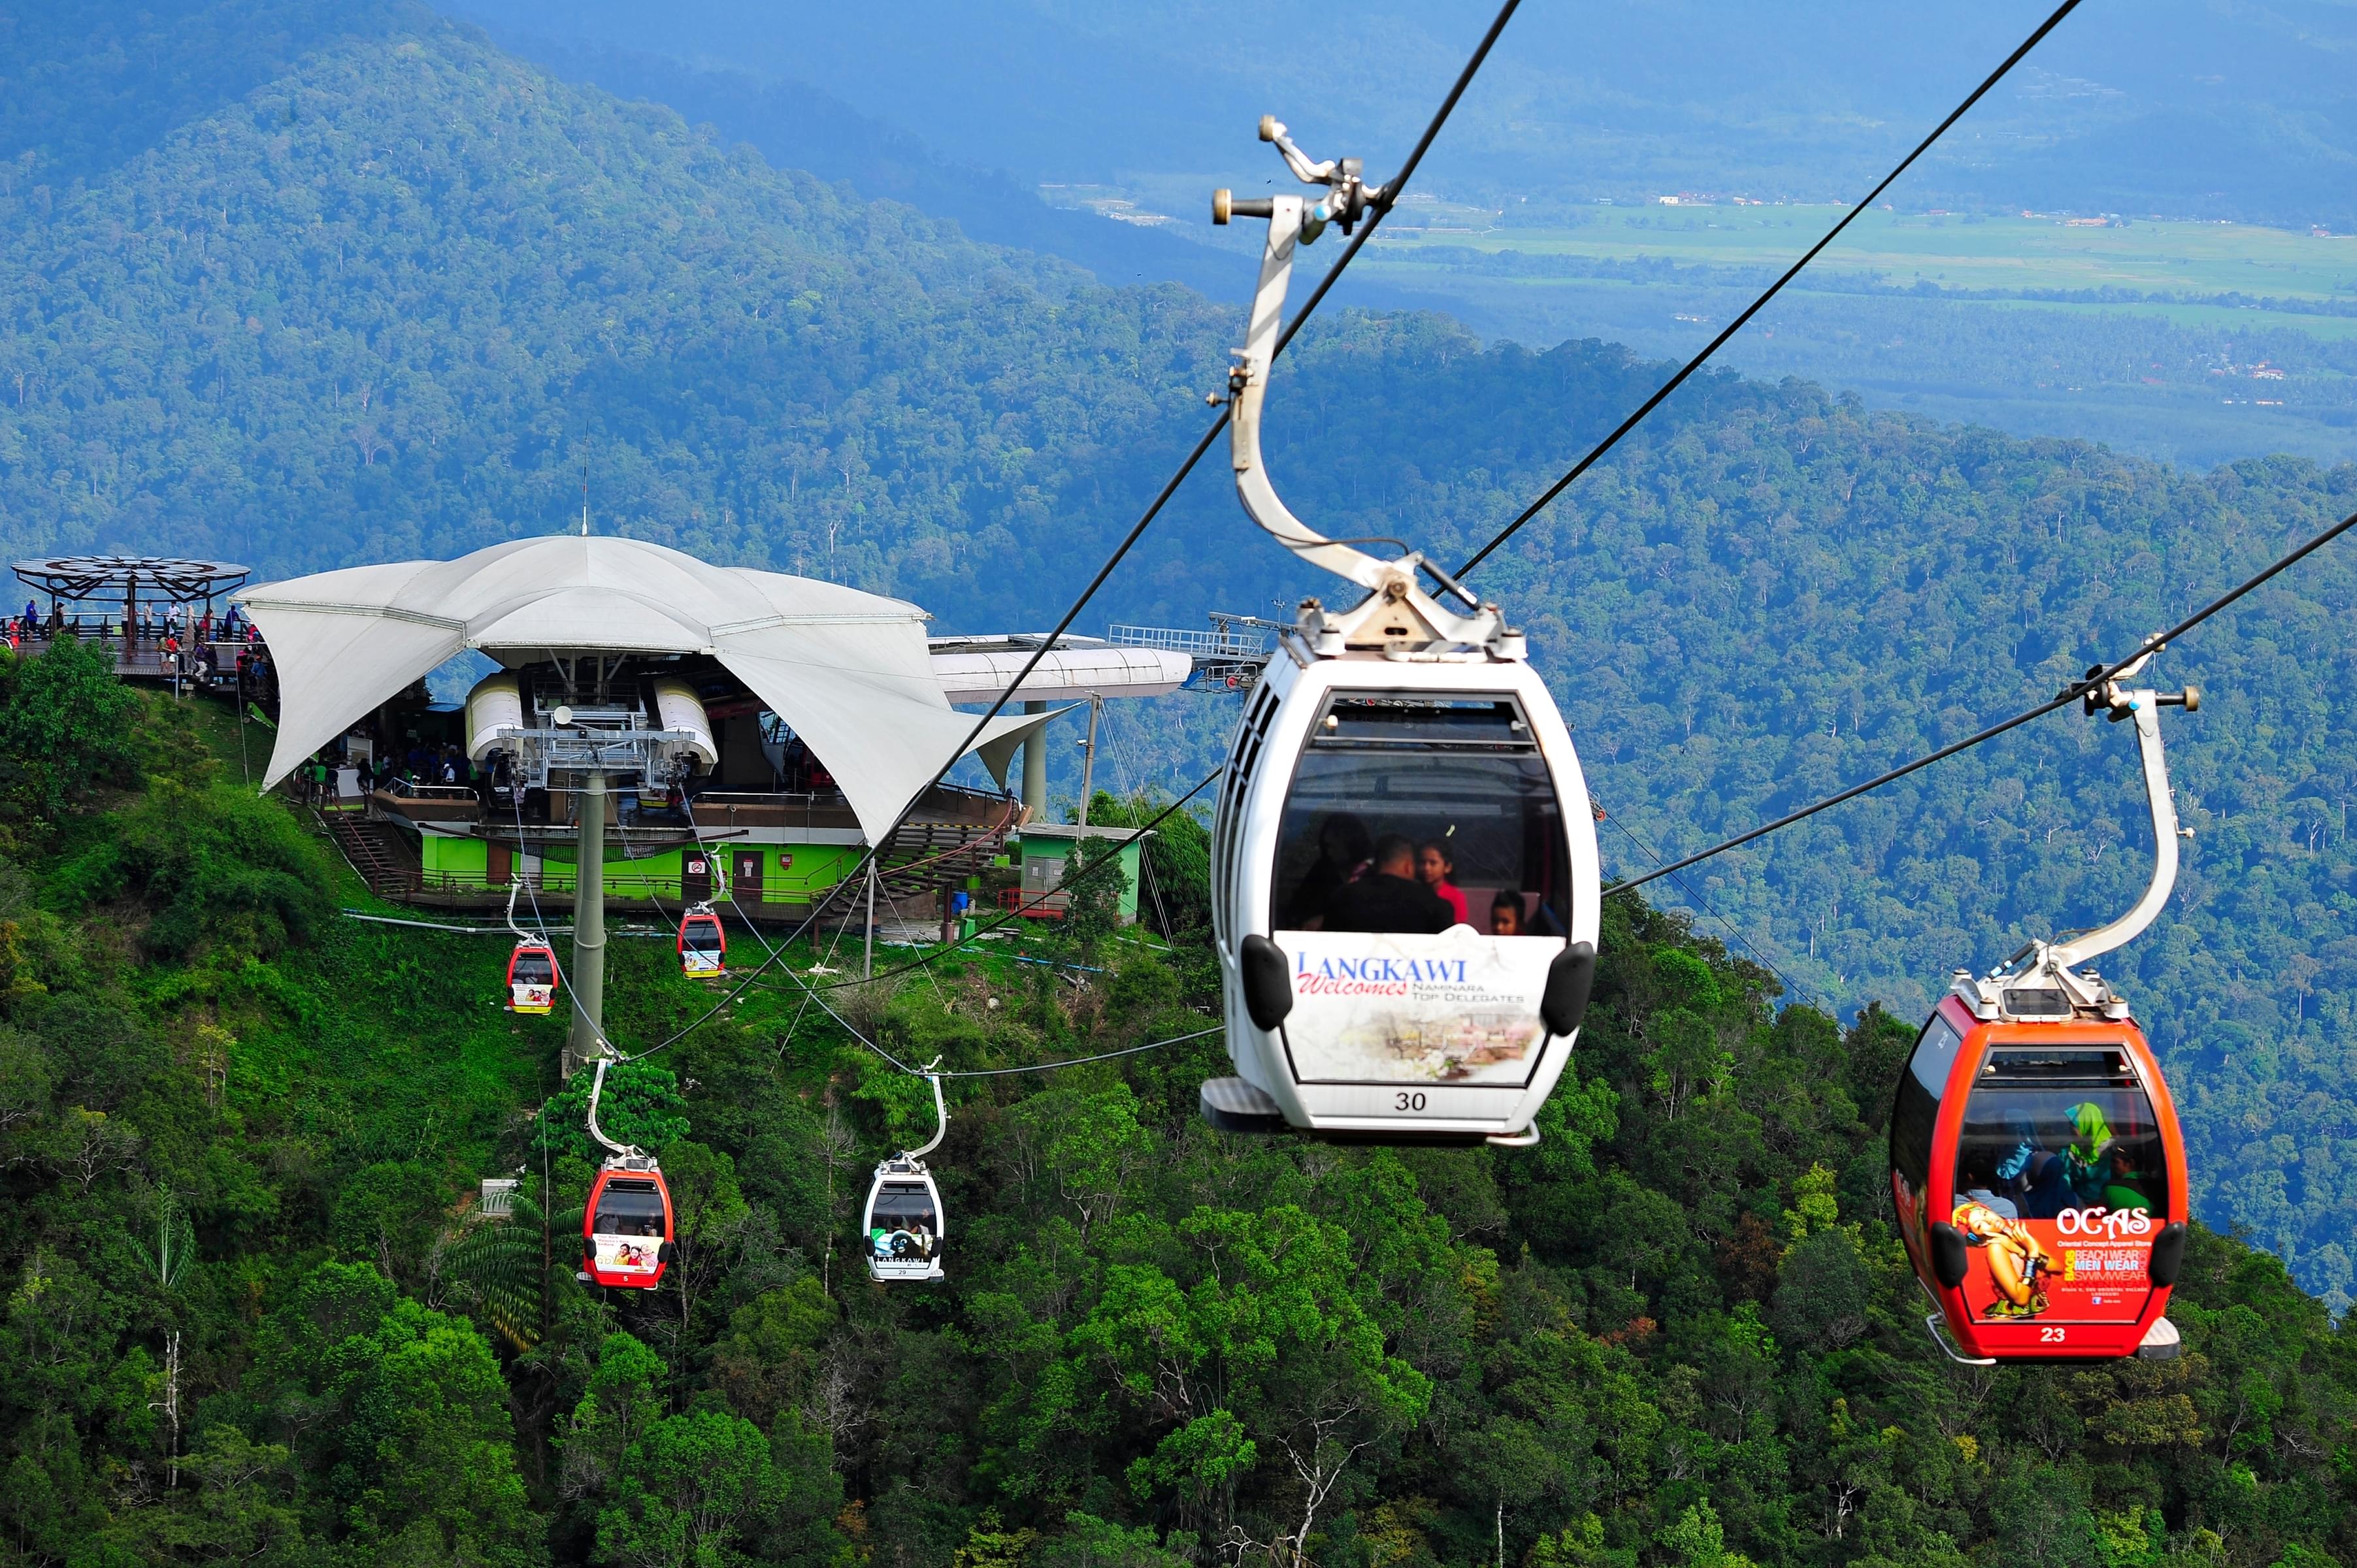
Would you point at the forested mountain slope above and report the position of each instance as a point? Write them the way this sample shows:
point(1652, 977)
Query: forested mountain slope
point(416, 284)
point(255, 1314)
point(392, 303)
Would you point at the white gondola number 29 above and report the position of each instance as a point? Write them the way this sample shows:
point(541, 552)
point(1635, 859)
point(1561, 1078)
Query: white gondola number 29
point(1408, 1101)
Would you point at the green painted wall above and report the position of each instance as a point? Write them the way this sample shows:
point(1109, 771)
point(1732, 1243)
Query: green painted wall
point(1055, 852)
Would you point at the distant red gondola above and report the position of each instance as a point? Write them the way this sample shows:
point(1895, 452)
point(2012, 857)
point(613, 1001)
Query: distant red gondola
point(531, 979)
point(702, 945)
point(2036, 1162)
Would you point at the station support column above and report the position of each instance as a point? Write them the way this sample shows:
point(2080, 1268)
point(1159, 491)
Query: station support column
point(1035, 768)
point(582, 1045)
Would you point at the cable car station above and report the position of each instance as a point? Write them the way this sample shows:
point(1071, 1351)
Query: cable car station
point(736, 736)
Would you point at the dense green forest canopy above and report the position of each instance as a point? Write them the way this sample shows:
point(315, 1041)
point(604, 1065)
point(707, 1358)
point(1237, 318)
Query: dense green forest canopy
point(392, 300)
point(256, 1312)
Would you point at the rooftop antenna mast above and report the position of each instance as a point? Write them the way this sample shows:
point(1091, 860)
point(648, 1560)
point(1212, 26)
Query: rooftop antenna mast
point(584, 494)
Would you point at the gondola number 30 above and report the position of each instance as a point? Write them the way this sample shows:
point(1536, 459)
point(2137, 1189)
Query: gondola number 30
point(1409, 1101)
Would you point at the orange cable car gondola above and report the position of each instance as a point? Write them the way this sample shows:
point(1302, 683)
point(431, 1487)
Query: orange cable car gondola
point(2036, 1162)
point(626, 1227)
point(532, 978)
point(702, 945)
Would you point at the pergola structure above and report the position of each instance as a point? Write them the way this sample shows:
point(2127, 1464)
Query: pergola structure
point(78, 579)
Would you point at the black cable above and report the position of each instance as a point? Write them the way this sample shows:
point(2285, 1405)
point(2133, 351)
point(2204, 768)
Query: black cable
point(2071, 694)
point(1691, 366)
point(1325, 284)
point(1732, 929)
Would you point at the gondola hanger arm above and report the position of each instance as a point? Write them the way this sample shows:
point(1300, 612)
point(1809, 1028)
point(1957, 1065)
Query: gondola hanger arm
point(2048, 973)
point(596, 1089)
point(940, 1114)
point(2142, 705)
point(1399, 613)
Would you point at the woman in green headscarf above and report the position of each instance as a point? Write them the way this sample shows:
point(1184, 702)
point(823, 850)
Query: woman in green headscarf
point(2101, 1169)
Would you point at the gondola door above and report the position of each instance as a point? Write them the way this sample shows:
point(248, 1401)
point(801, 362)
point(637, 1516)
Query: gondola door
point(745, 876)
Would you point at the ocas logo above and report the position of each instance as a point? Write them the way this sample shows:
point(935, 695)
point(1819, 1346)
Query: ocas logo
point(2110, 1224)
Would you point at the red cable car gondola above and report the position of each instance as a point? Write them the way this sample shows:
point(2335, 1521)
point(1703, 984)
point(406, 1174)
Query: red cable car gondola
point(2036, 1162)
point(626, 1226)
point(532, 978)
point(702, 945)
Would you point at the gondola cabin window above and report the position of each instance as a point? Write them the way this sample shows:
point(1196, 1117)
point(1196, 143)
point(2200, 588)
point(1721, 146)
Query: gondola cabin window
point(2062, 1185)
point(903, 1226)
point(1421, 888)
point(1914, 1119)
point(2053, 1131)
point(629, 1209)
point(1462, 775)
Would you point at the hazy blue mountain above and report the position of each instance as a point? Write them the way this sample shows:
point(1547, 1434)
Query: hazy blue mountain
point(796, 125)
point(2217, 107)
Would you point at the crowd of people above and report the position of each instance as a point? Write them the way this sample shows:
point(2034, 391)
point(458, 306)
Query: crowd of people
point(187, 642)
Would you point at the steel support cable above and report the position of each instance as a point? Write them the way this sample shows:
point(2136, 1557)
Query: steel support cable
point(1712, 910)
point(1375, 215)
point(2071, 694)
point(1732, 327)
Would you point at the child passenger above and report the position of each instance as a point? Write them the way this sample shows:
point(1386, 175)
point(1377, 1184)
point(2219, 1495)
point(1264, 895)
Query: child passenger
point(1434, 867)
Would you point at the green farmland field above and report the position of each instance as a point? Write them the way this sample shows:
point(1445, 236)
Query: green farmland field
point(2016, 254)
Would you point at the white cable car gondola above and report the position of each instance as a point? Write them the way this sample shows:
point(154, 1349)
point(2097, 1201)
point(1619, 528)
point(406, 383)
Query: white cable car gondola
point(1361, 1003)
point(904, 1226)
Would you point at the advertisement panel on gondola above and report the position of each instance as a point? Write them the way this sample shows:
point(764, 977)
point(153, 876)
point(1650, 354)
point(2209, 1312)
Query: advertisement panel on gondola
point(1455, 1009)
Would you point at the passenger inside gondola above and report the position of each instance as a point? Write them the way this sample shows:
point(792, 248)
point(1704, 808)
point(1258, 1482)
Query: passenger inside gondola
point(1387, 897)
point(1506, 915)
point(2046, 1132)
point(629, 1209)
point(903, 1228)
point(1343, 846)
point(1401, 807)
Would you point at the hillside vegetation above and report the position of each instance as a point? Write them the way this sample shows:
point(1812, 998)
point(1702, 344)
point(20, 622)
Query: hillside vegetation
point(391, 301)
point(254, 1314)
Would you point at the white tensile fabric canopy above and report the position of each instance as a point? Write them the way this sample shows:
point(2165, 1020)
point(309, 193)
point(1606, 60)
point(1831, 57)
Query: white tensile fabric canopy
point(848, 670)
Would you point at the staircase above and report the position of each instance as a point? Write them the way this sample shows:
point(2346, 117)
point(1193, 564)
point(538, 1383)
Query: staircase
point(922, 858)
point(367, 846)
